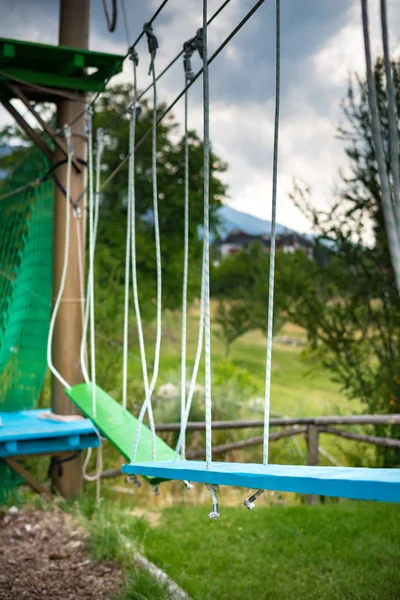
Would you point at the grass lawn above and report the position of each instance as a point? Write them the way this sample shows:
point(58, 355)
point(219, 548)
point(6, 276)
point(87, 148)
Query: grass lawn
point(347, 550)
point(337, 551)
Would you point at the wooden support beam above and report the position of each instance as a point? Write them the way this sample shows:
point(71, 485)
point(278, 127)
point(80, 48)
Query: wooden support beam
point(73, 32)
point(46, 127)
point(34, 483)
point(30, 132)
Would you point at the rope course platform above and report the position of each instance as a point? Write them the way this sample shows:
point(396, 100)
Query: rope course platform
point(56, 66)
point(29, 432)
point(343, 482)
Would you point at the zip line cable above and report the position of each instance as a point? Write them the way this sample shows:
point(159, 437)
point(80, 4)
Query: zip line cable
point(149, 87)
point(171, 106)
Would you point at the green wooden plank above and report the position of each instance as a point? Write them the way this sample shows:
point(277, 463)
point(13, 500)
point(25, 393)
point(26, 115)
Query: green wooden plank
point(73, 82)
point(57, 66)
point(118, 425)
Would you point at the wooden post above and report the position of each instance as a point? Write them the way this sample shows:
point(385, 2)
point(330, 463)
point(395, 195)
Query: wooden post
point(74, 32)
point(312, 444)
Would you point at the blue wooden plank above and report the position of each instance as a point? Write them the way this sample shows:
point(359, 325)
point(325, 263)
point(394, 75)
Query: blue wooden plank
point(343, 482)
point(28, 424)
point(25, 432)
point(50, 445)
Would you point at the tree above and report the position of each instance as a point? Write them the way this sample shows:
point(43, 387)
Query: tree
point(240, 283)
point(112, 224)
point(170, 175)
point(351, 307)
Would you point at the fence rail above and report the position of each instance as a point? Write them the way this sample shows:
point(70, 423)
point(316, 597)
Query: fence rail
point(286, 421)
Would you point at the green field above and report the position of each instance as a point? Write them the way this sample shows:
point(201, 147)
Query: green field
point(299, 386)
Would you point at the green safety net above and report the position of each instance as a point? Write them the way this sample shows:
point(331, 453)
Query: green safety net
point(25, 298)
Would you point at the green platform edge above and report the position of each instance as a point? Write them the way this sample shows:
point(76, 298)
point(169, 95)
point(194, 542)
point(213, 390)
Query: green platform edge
point(57, 66)
point(118, 426)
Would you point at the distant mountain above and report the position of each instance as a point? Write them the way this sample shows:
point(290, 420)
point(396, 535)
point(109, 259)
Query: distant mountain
point(231, 219)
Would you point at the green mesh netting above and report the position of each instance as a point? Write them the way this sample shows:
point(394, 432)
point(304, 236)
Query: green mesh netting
point(25, 300)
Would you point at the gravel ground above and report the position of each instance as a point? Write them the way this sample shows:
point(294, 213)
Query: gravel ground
point(43, 555)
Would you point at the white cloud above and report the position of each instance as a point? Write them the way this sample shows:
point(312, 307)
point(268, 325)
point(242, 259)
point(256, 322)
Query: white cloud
point(313, 84)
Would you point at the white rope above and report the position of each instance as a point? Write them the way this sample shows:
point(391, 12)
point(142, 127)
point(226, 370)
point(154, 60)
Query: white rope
point(206, 240)
point(149, 389)
point(99, 467)
point(94, 200)
point(126, 300)
point(83, 350)
point(66, 385)
point(196, 366)
point(392, 117)
point(185, 278)
point(272, 249)
point(91, 262)
point(132, 225)
point(388, 212)
point(185, 408)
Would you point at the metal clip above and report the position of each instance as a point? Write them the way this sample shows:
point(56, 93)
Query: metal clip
point(214, 514)
point(156, 490)
point(152, 43)
point(88, 120)
point(67, 133)
point(133, 55)
point(249, 503)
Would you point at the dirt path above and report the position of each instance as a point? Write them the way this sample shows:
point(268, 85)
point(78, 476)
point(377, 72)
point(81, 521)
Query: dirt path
point(43, 556)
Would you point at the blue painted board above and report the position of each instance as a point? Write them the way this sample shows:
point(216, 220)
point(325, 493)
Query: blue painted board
point(343, 482)
point(24, 433)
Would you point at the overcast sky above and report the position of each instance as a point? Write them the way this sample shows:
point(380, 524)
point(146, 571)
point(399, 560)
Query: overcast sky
point(321, 44)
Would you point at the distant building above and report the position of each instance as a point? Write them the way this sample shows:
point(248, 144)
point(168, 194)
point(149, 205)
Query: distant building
point(237, 241)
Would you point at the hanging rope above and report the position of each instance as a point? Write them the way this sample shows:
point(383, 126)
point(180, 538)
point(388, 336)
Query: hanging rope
point(388, 212)
point(99, 467)
point(188, 74)
point(189, 48)
point(67, 131)
point(273, 242)
point(132, 202)
point(147, 406)
point(99, 154)
point(206, 256)
point(126, 301)
point(89, 132)
point(392, 117)
point(93, 226)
